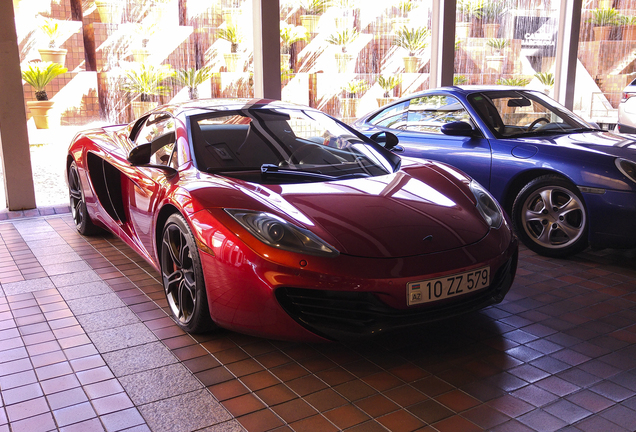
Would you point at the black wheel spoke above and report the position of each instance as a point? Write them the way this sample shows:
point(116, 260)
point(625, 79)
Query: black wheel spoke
point(178, 269)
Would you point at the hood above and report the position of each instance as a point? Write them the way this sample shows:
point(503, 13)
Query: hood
point(620, 145)
point(396, 215)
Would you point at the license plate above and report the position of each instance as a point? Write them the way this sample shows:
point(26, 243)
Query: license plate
point(448, 286)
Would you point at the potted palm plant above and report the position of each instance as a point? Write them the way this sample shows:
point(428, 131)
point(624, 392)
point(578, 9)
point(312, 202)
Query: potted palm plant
point(491, 13)
point(192, 78)
point(146, 81)
point(349, 100)
point(52, 53)
point(467, 10)
point(231, 34)
point(547, 79)
point(39, 75)
point(496, 60)
point(387, 84)
point(604, 20)
point(110, 11)
point(313, 9)
point(628, 24)
point(342, 39)
point(413, 40)
point(290, 34)
point(345, 13)
point(400, 18)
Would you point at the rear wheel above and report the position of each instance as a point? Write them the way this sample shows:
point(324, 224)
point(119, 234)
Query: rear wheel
point(550, 218)
point(83, 222)
point(182, 277)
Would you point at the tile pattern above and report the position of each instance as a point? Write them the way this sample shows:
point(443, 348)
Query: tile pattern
point(89, 336)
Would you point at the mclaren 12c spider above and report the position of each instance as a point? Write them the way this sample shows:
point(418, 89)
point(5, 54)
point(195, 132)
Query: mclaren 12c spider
point(279, 221)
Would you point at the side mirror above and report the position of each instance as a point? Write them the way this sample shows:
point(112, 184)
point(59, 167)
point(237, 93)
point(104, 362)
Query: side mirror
point(458, 128)
point(140, 155)
point(387, 139)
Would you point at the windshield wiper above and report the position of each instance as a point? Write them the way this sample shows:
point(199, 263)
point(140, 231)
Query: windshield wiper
point(586, 129)
point(230, 169)
point(271, 169)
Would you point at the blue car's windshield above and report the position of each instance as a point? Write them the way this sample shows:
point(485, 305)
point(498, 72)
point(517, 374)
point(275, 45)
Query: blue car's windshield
point(515, 113)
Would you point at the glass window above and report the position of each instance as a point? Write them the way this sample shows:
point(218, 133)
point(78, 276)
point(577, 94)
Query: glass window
point(159, 130)
point(519, 112)
point(430, 113)
point(394, 117)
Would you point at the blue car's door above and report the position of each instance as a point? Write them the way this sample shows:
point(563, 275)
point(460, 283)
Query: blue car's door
point(419, 132)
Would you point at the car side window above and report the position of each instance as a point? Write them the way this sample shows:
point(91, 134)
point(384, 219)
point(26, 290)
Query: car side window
point(430, 113)
point(393, 117)
point(159, 130)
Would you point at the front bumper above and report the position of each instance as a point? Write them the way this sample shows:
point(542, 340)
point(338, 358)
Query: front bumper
point(346, 315)
point(257, 293)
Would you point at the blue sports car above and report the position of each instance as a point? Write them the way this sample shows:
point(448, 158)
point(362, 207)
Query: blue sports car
point(565, 183)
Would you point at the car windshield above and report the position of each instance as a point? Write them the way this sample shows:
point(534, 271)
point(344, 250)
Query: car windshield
point(515, 113)
point(269, 145)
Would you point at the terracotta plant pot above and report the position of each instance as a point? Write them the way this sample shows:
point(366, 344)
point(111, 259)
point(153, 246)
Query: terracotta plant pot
point(141, 54)
point(385, 101)
point(42, 114)
point(343, 60)
point(463, 29)
point(232, 62)
point(349, 107)
point(139, 108)
point(494, 63)
point(284, 62)
point(411, 64)
point(55, 55)
point(310, 22)
point(629, 32)
point(602, 33)
point(109, 11)
point(491, 31)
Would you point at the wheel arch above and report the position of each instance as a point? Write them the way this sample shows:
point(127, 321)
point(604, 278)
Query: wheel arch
point(522, 179)
point(165, 212)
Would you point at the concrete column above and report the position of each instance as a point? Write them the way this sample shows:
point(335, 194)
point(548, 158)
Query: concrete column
point(566, 51)
point(442, 43)
point(266, 16)
point(14, 139)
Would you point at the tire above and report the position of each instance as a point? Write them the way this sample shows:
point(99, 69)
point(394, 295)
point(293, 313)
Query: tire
point(550, 217)
point(83, 222)
point(182, 277)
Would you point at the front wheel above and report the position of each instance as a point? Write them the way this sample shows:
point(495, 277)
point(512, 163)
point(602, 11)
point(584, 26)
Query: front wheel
point(83, 222)
point(550, 218)
point(182, 277)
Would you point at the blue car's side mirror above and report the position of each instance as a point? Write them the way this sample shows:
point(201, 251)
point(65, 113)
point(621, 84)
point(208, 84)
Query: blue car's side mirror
point(387, 139)
point(458, 128)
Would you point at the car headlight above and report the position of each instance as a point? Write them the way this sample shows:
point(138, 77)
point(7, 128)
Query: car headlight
point(279, 233)
point(628, 168)
point(487, 206)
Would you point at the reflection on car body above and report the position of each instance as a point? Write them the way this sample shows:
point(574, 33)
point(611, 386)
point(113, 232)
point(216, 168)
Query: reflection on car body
point(277, 220)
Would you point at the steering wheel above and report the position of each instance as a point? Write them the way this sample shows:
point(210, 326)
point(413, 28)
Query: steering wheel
point(534, 123)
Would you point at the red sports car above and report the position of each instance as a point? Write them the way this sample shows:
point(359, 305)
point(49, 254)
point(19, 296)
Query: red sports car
point(277, 220)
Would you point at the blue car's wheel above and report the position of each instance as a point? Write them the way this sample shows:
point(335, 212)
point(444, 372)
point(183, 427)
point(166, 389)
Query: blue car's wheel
point(550, 218)
point(183, 277)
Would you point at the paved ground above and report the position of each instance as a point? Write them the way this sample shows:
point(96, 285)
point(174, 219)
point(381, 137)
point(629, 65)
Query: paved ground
point(86, 344)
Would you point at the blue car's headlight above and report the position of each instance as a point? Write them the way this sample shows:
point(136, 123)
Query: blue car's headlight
point(487, 206)
point(628, 168)
point(279, 233)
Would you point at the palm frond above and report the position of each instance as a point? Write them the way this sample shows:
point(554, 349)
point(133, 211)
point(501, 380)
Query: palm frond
point(412, 39)
point(147, 80)
point(40, 74)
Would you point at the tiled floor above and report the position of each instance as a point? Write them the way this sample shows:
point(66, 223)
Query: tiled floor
point(85, 344)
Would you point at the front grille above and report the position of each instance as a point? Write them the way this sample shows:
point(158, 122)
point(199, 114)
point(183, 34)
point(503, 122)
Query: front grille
point(345, 315)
